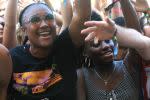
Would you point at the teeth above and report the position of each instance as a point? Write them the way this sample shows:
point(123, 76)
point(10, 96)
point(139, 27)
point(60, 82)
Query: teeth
point(44, 33)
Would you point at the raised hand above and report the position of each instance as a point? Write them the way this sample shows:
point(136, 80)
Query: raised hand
point(102, 30)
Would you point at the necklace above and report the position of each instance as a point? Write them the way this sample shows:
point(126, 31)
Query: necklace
point(101, 76)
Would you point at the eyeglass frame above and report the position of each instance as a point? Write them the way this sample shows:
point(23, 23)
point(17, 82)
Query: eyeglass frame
point(41, 18)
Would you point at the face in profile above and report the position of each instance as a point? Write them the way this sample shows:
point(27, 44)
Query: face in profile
point(39, 24)
point(102, 52)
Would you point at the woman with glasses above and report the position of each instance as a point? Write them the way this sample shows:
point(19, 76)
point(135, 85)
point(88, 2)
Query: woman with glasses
point(45, 69)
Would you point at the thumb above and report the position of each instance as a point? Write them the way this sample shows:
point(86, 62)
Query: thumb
point(110, 21)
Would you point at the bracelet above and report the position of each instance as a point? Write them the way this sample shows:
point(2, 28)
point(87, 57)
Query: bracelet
point(114, 35)
point(115, 49)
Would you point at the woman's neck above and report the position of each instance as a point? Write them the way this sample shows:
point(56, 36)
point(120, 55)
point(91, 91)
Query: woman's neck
point(105, 68)
point(39, 52)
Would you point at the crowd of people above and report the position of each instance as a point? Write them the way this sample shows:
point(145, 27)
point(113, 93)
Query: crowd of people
point(85, 50)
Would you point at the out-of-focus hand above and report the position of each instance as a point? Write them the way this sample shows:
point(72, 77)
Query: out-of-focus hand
point(141, 6)
point(102, 30)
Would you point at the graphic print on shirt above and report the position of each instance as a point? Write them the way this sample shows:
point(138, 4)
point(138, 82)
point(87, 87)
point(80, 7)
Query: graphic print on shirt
point(35, 81)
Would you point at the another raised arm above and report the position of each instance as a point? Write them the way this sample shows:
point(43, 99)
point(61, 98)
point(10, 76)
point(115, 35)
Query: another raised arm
point(131, 18)
point(9, 36)
point(66, 12)
point(81, 13)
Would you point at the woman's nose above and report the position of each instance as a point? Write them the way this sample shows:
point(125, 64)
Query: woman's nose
point(43, 23)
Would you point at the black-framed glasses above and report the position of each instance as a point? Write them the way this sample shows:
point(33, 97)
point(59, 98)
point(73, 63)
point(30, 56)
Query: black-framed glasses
point(38, 19)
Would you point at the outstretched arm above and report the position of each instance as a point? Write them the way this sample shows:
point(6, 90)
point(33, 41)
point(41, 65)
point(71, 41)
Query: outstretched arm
point(81, 13)
point(9, 36)
point(5, 71)
point(104, 30)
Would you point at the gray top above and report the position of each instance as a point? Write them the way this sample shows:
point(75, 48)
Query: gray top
point(126, 90)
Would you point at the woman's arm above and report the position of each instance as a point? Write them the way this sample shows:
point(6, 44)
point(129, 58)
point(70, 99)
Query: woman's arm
point(81, 13)
point(5, 71)
point(9, 36)
point(66, 11)
point(104, 30)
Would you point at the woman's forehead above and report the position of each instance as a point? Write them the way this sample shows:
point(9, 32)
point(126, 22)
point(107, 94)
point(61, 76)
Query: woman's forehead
point(37, 9)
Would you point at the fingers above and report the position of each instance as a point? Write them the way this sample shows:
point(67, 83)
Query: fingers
point(92, 23)
point(88, 30)
point(110, 22)
point(90, 37)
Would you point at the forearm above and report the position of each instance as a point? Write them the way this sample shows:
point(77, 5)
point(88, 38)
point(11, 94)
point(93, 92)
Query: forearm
point(66, 11)
point(9, 37)
point(81, 14)
point(82, 9)
point(131, 19)
point(133, 39)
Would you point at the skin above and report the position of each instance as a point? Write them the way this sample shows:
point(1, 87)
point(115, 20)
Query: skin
point(5, 71)
point(66, 11)
point(9, 31)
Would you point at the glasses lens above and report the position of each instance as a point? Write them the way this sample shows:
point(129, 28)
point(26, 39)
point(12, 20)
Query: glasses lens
point(49, 17)
point(35, 19)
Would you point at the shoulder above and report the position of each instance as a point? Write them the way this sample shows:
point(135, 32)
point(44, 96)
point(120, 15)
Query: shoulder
point(5, 66)
point(4, 53)
point(64, 40)
point(17, 50)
